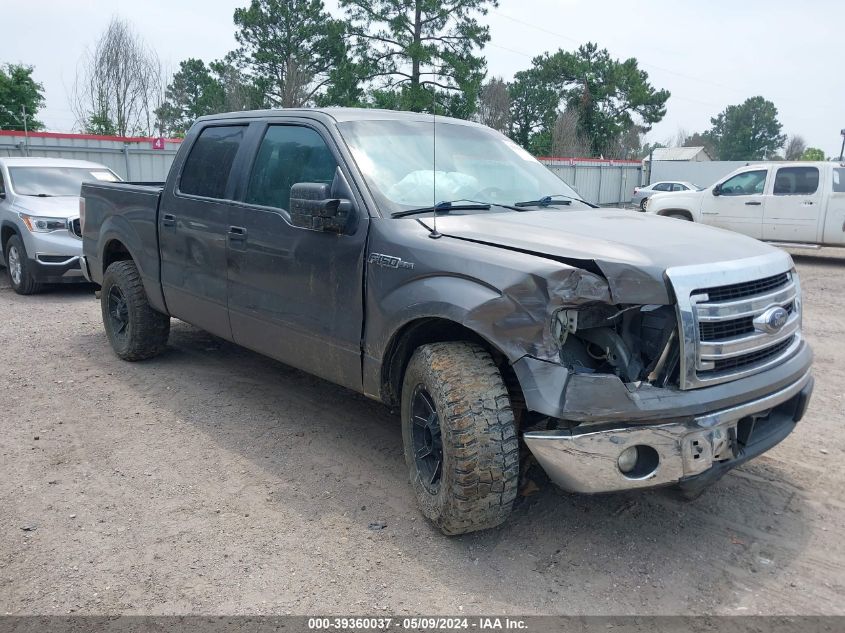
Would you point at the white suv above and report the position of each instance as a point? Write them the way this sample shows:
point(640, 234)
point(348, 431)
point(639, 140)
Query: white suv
point(39, 219)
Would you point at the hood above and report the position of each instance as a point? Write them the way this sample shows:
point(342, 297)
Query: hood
point(57, 207)
point(631, 250)
point(675, 195)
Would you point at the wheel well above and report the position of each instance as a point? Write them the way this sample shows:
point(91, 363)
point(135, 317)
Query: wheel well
point(5, 233)
point(114, 251)
point(682, 212)
point(436, 330)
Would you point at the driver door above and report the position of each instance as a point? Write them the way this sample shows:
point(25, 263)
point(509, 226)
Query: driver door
point(738, 203)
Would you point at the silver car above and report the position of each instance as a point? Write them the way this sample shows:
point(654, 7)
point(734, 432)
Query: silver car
point(642, 194)
point(39, 219)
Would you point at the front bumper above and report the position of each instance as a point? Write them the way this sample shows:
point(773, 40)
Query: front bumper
point(56, 269)
point(53, 257)
point(692, 452)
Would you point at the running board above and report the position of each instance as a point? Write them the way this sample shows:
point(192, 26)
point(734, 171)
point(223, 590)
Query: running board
point(813, 247)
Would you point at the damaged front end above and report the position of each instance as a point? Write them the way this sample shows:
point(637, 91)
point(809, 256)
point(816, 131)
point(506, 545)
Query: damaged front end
point(616, 410)
point(636, 343)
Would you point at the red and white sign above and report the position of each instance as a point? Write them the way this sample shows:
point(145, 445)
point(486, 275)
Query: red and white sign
point(158, 143)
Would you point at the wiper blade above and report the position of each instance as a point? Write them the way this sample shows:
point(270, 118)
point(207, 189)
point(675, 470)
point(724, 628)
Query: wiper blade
point(548, 201)
point(443, 207)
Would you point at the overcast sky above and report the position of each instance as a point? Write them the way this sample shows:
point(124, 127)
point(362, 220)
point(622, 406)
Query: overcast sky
point(707, 54)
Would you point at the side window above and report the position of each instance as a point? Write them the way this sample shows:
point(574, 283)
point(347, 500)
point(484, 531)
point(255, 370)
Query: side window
point(289, 154)
point(207, 167)
point(745, 184)
point(678, 187)
point(2, 185)
point(794, 181)
point(839, 180)
point(662, 186)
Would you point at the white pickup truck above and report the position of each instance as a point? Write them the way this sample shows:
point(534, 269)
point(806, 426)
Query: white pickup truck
point(800, 203)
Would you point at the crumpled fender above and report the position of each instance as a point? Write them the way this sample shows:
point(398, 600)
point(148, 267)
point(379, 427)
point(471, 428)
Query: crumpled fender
point(515, 319)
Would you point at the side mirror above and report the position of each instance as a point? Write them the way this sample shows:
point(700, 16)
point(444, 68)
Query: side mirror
point(717, 190)
point(316, 206)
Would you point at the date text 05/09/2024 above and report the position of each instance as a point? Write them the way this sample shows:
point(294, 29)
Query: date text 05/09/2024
point(416, 624)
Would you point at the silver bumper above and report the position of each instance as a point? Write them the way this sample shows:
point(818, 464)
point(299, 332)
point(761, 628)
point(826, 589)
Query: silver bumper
point(586, 462)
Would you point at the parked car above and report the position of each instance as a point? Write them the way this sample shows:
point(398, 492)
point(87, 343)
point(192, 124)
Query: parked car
point(476, 292)
point(801, 203)
point(39, 219)
point(642, 194)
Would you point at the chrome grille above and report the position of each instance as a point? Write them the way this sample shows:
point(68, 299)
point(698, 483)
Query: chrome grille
point(746, 289)
point(716, 330)
point(717, 309)
point(736, 362)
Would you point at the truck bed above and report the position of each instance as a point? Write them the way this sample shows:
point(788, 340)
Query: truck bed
point(123, 216)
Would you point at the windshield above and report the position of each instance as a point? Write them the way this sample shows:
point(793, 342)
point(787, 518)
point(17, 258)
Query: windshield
point(404, 169)
point(56, 181)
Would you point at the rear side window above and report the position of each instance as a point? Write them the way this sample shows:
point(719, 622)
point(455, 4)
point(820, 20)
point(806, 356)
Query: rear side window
point(663, 186)
point(796, 181)
point(288, 155)
point(839, 180)
point(207, 168)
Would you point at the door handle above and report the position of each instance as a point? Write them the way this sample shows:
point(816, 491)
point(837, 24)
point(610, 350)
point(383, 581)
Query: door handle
point(753, 204)
point(237, 233)
point(168, 219)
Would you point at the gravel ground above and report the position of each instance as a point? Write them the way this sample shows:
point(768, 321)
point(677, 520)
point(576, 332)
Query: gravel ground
point(212, 480)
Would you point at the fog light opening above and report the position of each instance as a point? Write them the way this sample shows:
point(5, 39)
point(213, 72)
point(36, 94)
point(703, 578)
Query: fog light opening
point(628, 459)
point(638, 462)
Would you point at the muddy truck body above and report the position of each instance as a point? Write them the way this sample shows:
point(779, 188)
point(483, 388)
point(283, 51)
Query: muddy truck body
point(464, 284)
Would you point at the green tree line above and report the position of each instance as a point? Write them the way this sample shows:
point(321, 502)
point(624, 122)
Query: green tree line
point(417, 55)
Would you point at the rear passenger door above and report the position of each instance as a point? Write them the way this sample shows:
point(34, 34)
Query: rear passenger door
point(295, 294)
point(794, 206)
point(193, 224)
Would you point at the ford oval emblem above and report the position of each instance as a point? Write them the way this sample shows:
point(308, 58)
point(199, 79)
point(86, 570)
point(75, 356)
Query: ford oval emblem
point(772, 320)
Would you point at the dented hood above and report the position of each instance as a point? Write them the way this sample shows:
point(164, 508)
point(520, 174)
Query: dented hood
point(632, 250)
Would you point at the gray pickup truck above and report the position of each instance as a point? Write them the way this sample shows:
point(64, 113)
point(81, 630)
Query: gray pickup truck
point(437, 267)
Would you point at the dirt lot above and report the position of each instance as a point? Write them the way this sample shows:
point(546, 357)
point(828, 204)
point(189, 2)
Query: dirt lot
point(212, 480)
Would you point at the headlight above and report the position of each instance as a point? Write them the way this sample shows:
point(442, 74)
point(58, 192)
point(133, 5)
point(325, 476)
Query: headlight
point(40, 224)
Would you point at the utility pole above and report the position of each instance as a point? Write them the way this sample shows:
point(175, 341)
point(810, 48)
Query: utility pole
point(25, 131)
point(842, 151)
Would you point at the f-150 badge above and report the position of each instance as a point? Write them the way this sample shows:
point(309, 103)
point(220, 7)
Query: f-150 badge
point(388, 261)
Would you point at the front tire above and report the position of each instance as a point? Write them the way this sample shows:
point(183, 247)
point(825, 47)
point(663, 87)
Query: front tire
point(135, 330)
point(460, 438)
point(17, 264)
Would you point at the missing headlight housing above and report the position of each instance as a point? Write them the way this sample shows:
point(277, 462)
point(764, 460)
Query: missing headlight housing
point(635, 342)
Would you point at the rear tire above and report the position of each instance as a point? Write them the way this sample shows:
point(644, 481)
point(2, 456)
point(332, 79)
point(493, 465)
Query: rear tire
point(17, 265)
point(135, 330)
point(460, 439)
point(643, 203)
